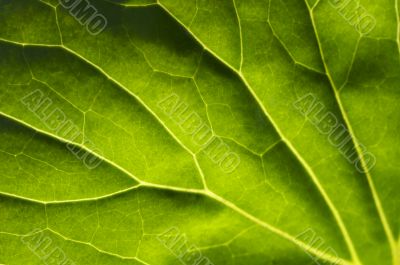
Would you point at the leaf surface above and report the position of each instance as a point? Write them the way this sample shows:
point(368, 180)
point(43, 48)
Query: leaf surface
point(238, 66)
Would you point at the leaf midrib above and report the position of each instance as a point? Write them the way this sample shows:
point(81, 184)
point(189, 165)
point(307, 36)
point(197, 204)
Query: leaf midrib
point(309, 170)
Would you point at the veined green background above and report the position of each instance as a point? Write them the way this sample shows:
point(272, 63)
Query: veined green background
point(238, 64)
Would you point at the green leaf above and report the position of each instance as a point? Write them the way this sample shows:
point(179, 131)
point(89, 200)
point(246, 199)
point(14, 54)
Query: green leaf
point(199, 132)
